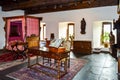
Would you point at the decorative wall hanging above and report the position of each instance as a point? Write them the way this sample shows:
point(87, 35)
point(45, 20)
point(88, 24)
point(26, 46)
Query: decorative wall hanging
point(83, 26)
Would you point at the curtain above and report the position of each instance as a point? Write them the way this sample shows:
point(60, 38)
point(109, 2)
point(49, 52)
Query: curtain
point(32, 26)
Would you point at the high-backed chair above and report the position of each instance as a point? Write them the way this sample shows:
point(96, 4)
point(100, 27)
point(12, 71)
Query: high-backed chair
point(67, 46)
point(33, 41)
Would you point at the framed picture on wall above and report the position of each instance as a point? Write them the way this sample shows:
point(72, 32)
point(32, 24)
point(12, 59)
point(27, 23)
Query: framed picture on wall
point(118, 9)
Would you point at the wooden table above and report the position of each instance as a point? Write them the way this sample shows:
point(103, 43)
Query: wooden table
point(46, 53)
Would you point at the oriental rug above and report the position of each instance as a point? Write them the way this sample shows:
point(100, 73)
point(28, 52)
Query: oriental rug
point(30, 74)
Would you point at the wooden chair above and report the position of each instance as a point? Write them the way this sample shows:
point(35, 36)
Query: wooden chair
point(67, 46)
point(20, 49)
point(33, 41)
point(47, 60)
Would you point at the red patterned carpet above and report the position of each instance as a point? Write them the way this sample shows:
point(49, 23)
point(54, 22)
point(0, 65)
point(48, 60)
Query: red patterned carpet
point(9, 56)
point(7, 60)
point(5, 57)
point(29, 74)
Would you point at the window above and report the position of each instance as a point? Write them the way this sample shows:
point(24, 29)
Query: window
point(106, 29)
point(43, 31)
point(70, 31)
point(66, 30)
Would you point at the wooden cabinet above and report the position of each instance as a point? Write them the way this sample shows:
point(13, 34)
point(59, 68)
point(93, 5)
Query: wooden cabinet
point(82, 47)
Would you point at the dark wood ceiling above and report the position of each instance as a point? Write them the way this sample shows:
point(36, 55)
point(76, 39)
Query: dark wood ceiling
point(43, 6)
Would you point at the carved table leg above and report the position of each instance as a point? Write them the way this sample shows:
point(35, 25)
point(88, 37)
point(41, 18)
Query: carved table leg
point(58, 70)
point(28, 60)
point(65, 65)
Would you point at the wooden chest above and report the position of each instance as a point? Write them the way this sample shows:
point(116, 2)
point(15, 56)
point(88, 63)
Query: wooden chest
point(82, 47)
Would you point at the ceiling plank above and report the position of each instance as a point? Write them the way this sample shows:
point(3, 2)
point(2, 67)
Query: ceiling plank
point(70, 6)
point(33, 3)
point(43, 6)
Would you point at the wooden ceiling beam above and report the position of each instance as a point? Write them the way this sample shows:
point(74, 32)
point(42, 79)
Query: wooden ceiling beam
point(70, 6)
point(43, 6)
point(33, 3)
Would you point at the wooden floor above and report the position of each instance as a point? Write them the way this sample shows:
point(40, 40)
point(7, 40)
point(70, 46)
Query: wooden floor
point(99, 67)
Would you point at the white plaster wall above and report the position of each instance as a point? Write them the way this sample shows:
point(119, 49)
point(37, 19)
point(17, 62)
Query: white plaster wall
point(53, 19)
point(97, 29)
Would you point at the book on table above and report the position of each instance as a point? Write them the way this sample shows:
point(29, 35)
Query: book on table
point(56, 43)
point(55, 46)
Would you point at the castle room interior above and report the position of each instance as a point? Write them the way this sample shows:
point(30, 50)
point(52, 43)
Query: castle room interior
point(59, 40)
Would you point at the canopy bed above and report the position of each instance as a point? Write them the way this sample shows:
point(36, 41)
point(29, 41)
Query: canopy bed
point(18, 28)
